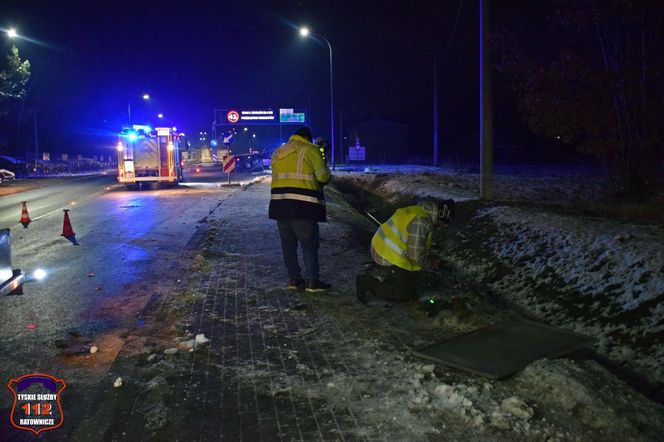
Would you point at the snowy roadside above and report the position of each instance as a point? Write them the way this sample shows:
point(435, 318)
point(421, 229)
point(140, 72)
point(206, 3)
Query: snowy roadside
point(332, 356)
point(600, 277)
point(396, 396)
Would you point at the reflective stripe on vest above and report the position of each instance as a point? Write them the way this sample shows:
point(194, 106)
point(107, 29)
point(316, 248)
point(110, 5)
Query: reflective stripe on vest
point(298, 197)
point(391, 244)
point(293, 176)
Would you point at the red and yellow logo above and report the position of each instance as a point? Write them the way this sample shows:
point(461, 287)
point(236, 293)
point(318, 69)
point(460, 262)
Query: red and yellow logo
point(37, 402)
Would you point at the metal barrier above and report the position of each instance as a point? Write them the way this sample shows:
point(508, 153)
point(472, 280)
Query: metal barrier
point(11, 280)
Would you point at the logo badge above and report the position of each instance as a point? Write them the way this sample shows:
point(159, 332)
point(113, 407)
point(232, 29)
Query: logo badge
point(37, 402)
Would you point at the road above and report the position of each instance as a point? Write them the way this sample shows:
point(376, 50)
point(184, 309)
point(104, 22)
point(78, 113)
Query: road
point(131, 251)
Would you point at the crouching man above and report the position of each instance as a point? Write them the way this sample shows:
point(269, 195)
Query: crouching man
point(400, 247)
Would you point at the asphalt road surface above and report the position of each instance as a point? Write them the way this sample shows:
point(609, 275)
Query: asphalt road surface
point(130, 251)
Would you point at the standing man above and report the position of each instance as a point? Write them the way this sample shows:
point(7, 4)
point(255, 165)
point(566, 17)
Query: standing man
point(400, 247)
point(297, 203)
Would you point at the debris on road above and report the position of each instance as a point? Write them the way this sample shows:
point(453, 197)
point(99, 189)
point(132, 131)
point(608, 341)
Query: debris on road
point(201, 339)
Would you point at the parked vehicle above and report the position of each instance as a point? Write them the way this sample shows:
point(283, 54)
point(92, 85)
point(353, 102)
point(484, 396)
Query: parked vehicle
point(6, 175)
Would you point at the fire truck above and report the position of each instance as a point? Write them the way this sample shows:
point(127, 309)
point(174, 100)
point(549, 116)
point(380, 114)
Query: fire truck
point(149, 156)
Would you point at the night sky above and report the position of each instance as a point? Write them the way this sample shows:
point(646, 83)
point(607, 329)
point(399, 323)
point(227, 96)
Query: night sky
point(91, 58)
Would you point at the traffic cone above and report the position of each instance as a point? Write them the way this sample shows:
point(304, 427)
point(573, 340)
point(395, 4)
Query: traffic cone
point(67, 231)
point(25, 218)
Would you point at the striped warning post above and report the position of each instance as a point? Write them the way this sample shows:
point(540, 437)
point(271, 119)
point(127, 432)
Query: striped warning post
point(229, 163)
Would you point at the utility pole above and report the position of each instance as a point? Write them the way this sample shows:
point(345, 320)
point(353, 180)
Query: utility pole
point(341, 136)
point(435, 114)
point(486, 114)
point(36, 141)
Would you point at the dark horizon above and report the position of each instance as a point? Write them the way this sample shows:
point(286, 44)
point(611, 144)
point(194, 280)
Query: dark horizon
point(89, 62)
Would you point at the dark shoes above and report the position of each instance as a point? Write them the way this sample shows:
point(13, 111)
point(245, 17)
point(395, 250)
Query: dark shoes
point(315, 286)
point(296, 284)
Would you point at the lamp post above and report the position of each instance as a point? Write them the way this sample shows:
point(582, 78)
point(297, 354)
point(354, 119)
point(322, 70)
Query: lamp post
point(13, 34)
point(145, 97)
point(304, 32)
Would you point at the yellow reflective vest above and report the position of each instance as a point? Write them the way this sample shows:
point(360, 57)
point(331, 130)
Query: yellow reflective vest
point(390, 241)
point(298, 175)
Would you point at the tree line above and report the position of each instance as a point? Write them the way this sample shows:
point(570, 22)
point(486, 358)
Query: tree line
point(590, 72)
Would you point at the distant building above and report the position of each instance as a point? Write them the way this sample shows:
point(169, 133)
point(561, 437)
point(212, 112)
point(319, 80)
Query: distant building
point(384, 141)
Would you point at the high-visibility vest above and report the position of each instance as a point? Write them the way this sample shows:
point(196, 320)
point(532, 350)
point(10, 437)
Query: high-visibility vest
point(391, 239)
point(298, 173)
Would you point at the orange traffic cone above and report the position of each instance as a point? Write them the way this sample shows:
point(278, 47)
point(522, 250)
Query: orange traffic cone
point(67, 231)
point(25, 218)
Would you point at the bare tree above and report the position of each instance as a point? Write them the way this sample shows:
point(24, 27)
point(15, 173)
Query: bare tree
point(590, 72)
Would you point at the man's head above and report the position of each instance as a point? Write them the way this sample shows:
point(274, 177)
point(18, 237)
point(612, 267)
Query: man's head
point(446, 210)
point(304, 132)
point(440, 211)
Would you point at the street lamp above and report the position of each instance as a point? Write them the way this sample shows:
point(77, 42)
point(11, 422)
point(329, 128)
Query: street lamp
point(160, 115)
point(145, 97)
point(304, 32)
point(11, 33)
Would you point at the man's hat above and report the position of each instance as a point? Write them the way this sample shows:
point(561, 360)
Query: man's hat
point(446, 210)
point(304, 132)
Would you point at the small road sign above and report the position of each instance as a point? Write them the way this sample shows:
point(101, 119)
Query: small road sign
point(229, 164)
point(233, 116)
point(227, 138)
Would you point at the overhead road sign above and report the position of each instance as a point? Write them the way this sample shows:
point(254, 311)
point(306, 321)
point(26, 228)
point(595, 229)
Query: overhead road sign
point(260, 116)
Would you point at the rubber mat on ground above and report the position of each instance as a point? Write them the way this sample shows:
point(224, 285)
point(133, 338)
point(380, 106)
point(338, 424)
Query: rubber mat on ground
point(502, 349)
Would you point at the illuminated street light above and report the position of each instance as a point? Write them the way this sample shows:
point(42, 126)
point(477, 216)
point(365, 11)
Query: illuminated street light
point(160, 115)
point(145, 97)
point(304, 32)
point(119, 147)
point(11, 33)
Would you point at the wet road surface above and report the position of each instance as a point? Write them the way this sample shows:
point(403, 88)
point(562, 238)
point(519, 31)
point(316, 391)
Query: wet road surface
point(131, 250)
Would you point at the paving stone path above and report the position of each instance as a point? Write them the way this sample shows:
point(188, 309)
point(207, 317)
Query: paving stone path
point(263, 336)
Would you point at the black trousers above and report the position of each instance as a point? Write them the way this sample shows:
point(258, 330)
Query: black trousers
point(389, 283)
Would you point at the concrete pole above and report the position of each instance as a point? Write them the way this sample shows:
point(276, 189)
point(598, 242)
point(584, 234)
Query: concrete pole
point(36, 141)
point(435, 114)
point(331, 100)
point(486, 114)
